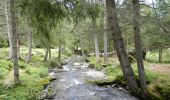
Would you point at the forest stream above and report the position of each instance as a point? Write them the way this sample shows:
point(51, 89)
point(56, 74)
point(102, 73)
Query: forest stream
point(71, 84)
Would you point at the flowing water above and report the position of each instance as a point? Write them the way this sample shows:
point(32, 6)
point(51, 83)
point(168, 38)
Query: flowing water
point(71, 84)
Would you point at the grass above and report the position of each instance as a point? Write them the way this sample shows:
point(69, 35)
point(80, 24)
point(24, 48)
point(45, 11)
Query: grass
point(33, 76)
point(154, 56)
point(31, 83)
point(158, 83)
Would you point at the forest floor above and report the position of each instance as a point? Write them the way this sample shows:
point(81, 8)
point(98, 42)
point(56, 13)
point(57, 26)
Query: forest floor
point(33, 76)
point(157, 75)
point(160, 68)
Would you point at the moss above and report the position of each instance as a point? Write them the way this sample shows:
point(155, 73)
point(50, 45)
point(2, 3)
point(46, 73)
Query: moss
point(164, 89)
point(158, 83)
point(31, 84)
point(153, 93)
point(44, 81)
point(101, 82)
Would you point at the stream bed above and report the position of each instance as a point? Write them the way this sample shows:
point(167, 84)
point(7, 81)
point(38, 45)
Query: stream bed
point(71, 84)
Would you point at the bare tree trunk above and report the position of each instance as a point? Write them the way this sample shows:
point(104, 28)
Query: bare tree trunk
point(89, 43)
point(119, 45)
point(82, 47)
point(49, 51)
point(138, 47)
point(105, 49)
point(29, 44)
point(127, 40)
point(105, 37)
point(160, 55)
point(14, 39)
point(8, 28)
point(46, 55)
point(59, 51)
point(96, 43)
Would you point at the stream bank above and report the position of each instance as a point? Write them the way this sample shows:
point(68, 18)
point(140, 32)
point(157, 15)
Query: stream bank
point(71, 84)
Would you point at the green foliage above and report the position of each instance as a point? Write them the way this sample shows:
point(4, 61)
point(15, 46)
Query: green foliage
point(66, 53)
point(4, 53)
point(30, 85)
point(23, 65)
point(5, 67)
point(113, 71)
point(33, 77)
point(120, 79)
point(164, 89)
point(3, 42)
point(93, 10)
point(151, 77)
point(54, 63)
point(98, 66)
point(154, 56)
point(162, 85)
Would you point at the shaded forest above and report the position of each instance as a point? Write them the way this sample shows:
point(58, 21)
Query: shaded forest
point(122, 44)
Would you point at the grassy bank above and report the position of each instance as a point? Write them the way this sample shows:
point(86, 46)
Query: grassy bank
point(33, 76)
point(153, 56)
point(158, 81)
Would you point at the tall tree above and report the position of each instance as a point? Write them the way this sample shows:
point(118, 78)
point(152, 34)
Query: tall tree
point(46, 54)
point(29, 55)
point(8, 27)
point(119, 45)
point(96, 45)
point(105, 35)
point(14, 36)
point(138, 46)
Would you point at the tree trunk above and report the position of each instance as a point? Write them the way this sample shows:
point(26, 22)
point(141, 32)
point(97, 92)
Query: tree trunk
point(119, 45)
point(59, 51)
point(49, 51)
point(89, 43)
point(82, 46)
point(138, 47)
point(29, 44)
point(8, 28)
point(14, 39)
point(105, 36)
point(46, 55)
point(105, 49)
point(96, 43)
point(160, 55)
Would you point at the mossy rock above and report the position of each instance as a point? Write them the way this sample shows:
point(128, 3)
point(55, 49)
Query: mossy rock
point(44, 82)
point(91, 66)
point(101, 82)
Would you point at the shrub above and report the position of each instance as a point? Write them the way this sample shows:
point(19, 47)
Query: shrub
point(22, 65)
point(98, 66)
point(113, 70)
point(120, 79)
point(3, 42)
point(54, 63)
point(164, 89)
point(150, 77)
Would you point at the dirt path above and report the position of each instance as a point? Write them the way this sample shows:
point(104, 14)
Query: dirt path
point(160, 68)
